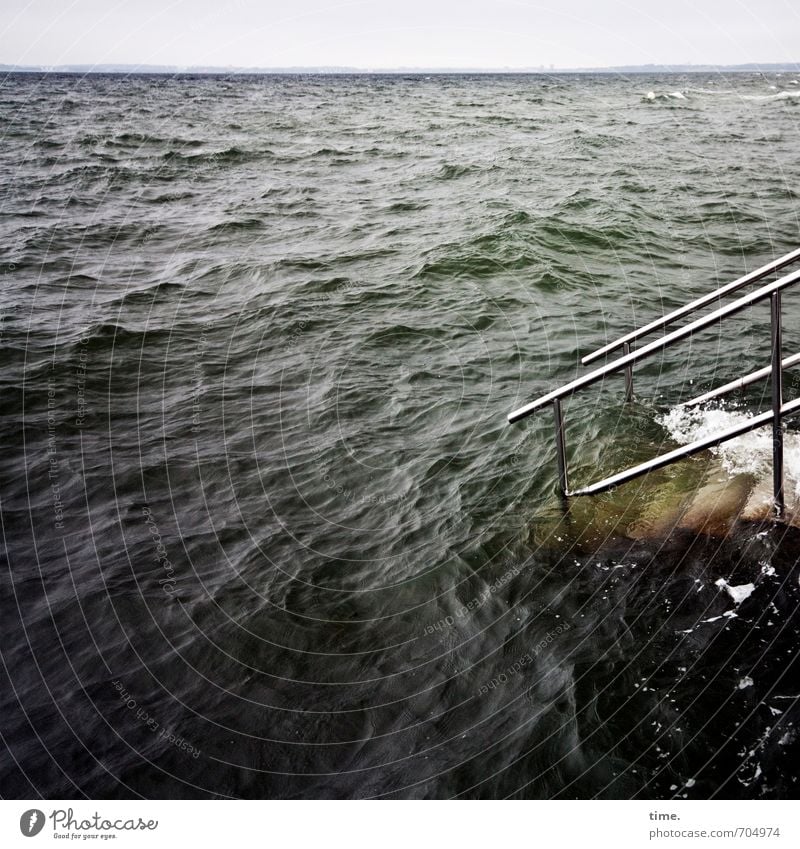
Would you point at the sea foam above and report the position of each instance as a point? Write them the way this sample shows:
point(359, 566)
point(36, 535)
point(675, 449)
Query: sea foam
point(748, 454)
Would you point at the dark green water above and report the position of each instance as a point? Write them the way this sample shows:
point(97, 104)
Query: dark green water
point(267, 531)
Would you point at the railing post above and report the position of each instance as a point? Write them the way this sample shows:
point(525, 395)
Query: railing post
point(777, 404)
point(626, 349)
point(561, 454)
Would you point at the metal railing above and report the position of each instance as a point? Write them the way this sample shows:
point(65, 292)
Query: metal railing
point(779, 411)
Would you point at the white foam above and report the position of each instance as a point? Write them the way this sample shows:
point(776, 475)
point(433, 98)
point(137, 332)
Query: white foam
point(749, 454)
point(711, 91)
point(781, 95)
point(739, 593)
point(728, 614)
point(675, 95)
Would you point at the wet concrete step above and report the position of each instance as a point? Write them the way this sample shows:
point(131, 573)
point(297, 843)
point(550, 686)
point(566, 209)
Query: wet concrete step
point(698, 495)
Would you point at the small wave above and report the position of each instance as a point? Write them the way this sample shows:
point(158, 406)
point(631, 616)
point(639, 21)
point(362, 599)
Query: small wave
point(152, 294)
point(635, 188)
point(517, 217)
point(568, 237)
point(724, 212)
point(406, 206)
point(600, 140)
point(328, 151)
point(132, 139)
point(483, 256)
point(301, 263)
point(159, 197)
point(333, 284)
point(580, 200)
point(231, 155)
point(475, 266)
point(781, 95)
point(86, 175)
point(237, 225)
point(107, 335)
point(501, 120)
point(453, 172)
point(83, 281)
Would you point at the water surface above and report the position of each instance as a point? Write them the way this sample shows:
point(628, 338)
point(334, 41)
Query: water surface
point(267, 531)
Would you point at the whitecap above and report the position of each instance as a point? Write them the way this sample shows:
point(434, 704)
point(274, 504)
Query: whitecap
point(674, 95)
point(749, 454)
point(781, 95)
point(711, 91)
point(739, 593)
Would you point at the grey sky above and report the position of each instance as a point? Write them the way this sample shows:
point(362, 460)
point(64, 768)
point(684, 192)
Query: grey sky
point(390, 33)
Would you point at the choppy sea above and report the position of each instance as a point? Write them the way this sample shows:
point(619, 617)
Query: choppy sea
point(265, 529)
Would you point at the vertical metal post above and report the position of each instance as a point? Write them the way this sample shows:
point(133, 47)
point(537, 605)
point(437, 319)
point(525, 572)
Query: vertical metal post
point(561, 454)
point(777, 404)
point(626, 349)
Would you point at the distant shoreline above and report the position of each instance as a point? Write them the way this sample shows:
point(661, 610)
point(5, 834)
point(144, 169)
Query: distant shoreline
point(176, 70)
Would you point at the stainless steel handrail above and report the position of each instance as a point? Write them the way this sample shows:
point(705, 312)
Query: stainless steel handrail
point(681, 333)
point(688, 450)
point(740, 383)
point(699, 303)
point(779, 409)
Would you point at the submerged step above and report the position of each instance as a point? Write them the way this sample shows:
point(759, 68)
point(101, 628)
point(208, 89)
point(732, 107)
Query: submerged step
point(759, 503)
point(701, 497)
point(717, 505)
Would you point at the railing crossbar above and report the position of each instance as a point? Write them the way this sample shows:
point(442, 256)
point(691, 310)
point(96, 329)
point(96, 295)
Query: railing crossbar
point(699, 303)
point(740, 383)
point(712, 318)
point(686, 451)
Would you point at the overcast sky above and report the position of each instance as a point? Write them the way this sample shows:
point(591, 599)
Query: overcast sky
point(391, 33)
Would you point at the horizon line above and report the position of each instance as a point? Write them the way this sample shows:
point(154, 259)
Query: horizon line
point(131, 68)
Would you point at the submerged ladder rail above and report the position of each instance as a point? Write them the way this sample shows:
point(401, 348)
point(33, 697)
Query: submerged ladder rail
point(771, 291)
point(662, 460)
point(740, 382)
